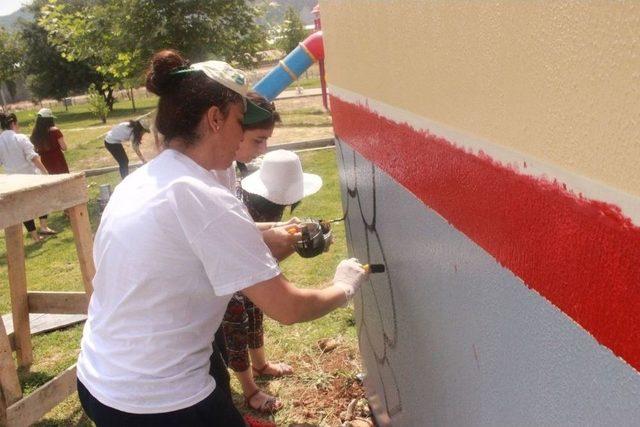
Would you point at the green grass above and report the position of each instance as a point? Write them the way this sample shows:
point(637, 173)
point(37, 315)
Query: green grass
point(53, 266)
point(308, 83)
point(305, 117)
point(84, 134)
point(79, 116)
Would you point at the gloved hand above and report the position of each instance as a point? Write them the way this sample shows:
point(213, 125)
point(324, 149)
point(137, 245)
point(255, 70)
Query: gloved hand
point(349, 277)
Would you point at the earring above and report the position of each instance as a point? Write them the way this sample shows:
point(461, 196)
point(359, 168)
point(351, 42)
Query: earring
point(217, 128)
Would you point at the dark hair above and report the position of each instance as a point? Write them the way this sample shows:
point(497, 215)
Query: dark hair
point(138, 130)
point(40, 133)
point(184, 97)
point(263, 210)
point(7, 119)
point(268, 123)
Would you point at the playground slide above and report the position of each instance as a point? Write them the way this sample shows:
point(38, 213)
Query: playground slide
point(291, 67)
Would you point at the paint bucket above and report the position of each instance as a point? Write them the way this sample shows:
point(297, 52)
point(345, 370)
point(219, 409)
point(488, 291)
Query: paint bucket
point(103, 196)
point(316, 238)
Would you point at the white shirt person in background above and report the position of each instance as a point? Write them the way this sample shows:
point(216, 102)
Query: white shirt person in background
point(120, 133)
point(18, 156)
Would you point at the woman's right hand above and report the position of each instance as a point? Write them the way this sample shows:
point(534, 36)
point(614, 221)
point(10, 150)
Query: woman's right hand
point(350, 275)
point(281, 240)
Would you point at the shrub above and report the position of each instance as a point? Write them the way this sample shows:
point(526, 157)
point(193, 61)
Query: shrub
point(97, 104)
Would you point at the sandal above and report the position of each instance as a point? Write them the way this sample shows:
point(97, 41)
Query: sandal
point(281, 369)
point(47, 232)
point(270, 405)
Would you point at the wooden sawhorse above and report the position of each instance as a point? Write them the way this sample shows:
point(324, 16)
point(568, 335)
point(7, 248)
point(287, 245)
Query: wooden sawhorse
point(23, 197)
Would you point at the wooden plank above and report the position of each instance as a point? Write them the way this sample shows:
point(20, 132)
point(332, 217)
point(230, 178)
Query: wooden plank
point(41, 323)
point(11, 391)
point(18, 290)
point(24, 197)
point(16, 183)
point(57, 302)
point(33, 407)
point(79, 217)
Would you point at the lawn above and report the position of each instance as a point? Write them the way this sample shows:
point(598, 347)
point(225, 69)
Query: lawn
point(324, 382)
point(84, 133)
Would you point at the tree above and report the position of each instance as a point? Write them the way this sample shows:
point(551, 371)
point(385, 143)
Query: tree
point(73, 33)
point(119, 36)
point(49, 75)
point(9, 61)
point(291, 32)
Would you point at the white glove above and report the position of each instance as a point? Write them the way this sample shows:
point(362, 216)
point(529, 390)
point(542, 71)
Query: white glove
point(349, 277)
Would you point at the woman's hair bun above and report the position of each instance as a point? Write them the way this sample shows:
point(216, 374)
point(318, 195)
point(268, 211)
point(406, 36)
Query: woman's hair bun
point(159, 77)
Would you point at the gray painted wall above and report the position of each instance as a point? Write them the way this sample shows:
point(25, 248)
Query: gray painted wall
point(451, 338)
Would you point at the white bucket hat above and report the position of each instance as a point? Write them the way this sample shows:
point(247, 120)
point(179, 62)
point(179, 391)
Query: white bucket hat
point(46, 112)
point(280, 179)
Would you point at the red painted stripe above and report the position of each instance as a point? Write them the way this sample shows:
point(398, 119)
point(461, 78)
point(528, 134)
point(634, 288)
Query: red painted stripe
point(580, 254)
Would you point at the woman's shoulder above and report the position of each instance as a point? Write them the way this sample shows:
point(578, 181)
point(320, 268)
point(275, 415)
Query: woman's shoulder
point(54, 130)
point(22, 138)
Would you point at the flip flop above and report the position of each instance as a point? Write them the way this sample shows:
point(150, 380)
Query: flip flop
point(48, 232)
point(257, 422)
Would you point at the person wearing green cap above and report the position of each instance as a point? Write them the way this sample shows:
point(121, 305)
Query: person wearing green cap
point(172, 247)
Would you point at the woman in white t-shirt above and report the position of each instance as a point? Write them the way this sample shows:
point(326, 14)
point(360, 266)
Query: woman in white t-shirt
point(173, 245)
point(125, 131)
point(18, 156)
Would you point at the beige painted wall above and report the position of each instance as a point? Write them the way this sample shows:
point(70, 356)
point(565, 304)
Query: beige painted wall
point(556, 80)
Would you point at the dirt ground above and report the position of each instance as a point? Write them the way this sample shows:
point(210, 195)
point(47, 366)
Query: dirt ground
point(323, 386)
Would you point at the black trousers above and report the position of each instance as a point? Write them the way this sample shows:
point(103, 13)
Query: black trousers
point(118, 153)
point(218, 369)
point(215, 410)
point(31, 224)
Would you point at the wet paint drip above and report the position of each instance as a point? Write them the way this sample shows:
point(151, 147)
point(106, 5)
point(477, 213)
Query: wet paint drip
point(580, 254)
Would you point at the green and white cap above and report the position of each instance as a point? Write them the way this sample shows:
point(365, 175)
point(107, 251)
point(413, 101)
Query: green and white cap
point(235, 80)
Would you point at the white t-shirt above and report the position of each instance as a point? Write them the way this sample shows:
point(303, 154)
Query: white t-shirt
point(119, 133)
point(227, 177)
point(17, 153)
point(172, 247)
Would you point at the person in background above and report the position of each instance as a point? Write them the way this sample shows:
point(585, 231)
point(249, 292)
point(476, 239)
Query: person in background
point(125, 131)
point(18, 156)
point(173, 245)
point(49, 143)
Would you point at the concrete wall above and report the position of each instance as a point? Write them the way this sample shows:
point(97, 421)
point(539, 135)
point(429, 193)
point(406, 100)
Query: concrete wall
point(487, 154)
